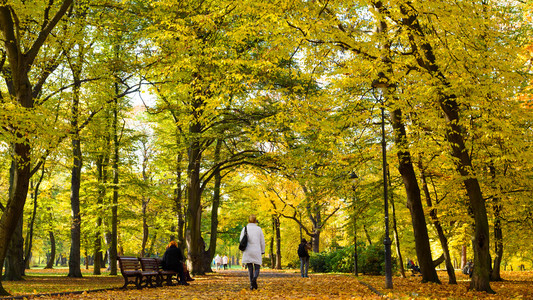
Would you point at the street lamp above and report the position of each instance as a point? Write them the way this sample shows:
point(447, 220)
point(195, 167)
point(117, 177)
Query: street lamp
point(387, 241)
point(353, 176)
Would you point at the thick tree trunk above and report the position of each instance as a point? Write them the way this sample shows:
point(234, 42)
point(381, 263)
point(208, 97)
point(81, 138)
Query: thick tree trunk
point(194, 211)
point(75, 229)
point(14, 268)
point(15, 205)
point(414, 201)
point(52, 258)
point(195, 243)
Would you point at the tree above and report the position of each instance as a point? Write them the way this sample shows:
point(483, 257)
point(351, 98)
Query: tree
point(21, 50)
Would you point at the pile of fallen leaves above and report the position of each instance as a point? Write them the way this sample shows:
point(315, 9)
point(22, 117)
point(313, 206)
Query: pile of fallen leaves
point(286, 284)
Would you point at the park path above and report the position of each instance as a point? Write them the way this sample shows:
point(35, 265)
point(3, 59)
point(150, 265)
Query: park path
point(233, 284)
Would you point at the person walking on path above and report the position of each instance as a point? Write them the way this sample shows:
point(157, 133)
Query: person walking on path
point(303, 253)
point(173, 260)
point(218, 262)
point(225, 261)
point(253, 254)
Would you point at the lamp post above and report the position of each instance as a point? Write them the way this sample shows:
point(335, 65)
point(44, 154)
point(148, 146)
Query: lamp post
point(387, 241)
point(353, 176)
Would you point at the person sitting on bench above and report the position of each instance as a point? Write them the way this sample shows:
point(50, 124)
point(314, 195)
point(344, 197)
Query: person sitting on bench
point(173, 260)
point(414, 268)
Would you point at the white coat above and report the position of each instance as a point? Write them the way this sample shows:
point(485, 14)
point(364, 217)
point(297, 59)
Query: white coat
point(256, 245)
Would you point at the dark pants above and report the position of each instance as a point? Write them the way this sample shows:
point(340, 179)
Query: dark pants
point(253, 272)
point(181, 272)
point(304, 265)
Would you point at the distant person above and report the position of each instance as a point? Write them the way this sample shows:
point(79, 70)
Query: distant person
point(303, 254)
point(414, 268)
point(225, 261)
point(255, 249)
point(173, 260)
point(218, 261)
point(469, 268)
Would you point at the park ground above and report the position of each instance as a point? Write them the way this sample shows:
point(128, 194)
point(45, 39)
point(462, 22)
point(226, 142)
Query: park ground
point(286, 284)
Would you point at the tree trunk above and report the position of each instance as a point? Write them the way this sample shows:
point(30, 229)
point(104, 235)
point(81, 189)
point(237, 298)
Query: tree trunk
point(414, 201)
point(436, 223)
point(13, 271)
point(426, 59)
point(75, 229)
point(195, 243)
point(29, 235)
point(367, 234)
point(498, 234)
point(114, 207)
point(51, 260)
point(194, 211)
point(99, 212)
point(214, 208)
point(277, 227)
point(463, 256)
point(22, 91)
point(145, 229)
point(14, 267)
point(178, 200)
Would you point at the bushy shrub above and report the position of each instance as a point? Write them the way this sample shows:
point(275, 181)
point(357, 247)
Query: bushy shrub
point(318, 262)
point(341, 259)
point(371, 259)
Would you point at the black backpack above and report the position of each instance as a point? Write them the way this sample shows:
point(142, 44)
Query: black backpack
point(302, 252)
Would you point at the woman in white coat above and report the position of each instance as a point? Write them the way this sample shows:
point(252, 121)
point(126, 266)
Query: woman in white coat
point(253, 255)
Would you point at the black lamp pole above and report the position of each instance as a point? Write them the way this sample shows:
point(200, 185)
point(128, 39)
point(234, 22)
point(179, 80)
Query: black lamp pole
point(353, 176)
point(387, 241)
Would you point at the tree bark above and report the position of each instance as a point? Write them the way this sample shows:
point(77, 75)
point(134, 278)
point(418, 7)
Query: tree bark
point(277, 227)
point(194, 212)
point(426, 59)
point(20, 67)
point(498, 234)
point(51, 260)
point(215, 206)
point(442, 237)
point(29, 235)
point(14, 268)
point(75, 181)
point(414, 200)
point(178, 200)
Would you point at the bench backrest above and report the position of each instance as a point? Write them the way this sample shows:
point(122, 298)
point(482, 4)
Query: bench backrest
point(149, 264)
point(128, 263)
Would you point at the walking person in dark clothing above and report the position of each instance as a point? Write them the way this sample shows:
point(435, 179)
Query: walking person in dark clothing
point(173, 260)
point(303, 253)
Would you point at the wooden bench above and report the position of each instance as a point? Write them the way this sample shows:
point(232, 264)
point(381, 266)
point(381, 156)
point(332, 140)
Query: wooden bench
point(130, 267)
point(155, 265)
